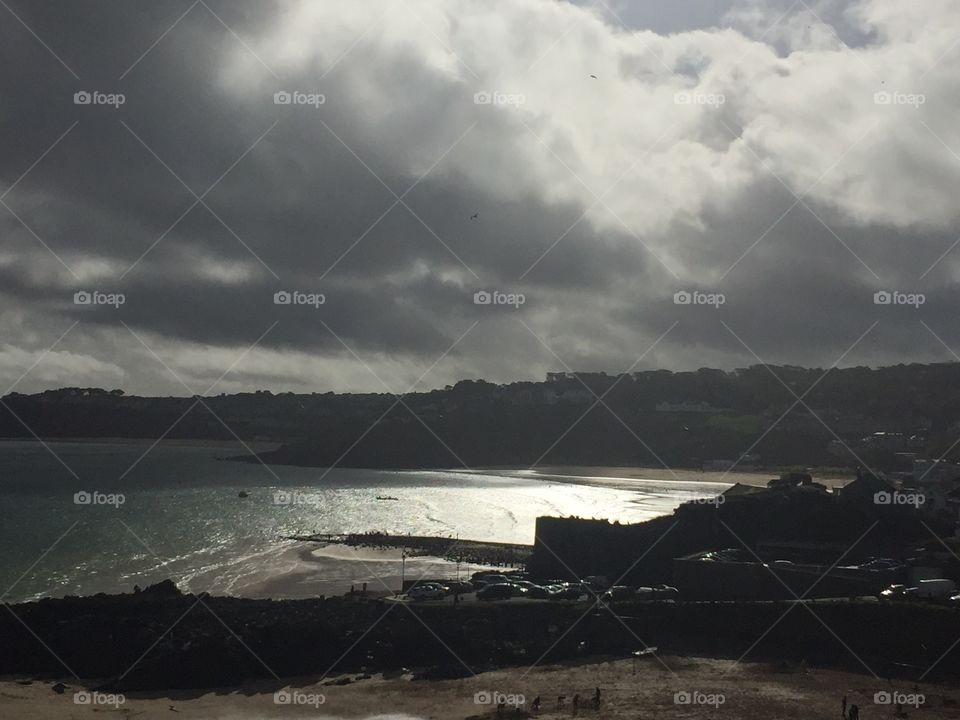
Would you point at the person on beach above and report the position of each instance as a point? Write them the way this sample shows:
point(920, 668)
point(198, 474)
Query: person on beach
point(854, 712)
point(576, 703)
point(535, 705)
point(843, 707)
point(596, 697)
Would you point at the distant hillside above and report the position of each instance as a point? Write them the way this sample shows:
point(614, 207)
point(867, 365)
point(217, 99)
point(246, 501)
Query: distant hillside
point(682, 419)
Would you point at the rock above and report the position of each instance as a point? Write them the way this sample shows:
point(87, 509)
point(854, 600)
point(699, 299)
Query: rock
point(163, 589)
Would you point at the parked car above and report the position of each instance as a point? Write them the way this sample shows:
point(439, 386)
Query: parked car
point(596, 582)
point(880, 564)
point(427, 591)
point(497, 591)
point(617, 592)
point(897, 592)
point(542, 592)
point(524, 584)
point(665, 591)
point(570, 591)
point(491, 579)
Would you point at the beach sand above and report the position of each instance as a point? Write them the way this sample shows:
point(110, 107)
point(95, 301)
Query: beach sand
point(749, 691)
point(622, 477)
point(307, 570)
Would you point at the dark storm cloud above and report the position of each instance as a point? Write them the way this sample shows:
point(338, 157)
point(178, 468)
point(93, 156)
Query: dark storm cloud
point(598, 199)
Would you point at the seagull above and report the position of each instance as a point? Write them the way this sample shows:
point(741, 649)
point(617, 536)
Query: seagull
point(594, 77)
point(475, 216)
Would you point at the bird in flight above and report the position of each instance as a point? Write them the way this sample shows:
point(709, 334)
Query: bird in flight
point(594, 77)
point(475, 216)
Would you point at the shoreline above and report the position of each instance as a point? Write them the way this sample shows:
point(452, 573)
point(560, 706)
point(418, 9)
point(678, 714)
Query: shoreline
point(632, 477)
point(597, 475)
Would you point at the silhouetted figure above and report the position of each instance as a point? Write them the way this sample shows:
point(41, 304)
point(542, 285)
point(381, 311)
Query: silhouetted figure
point(576, 703)
point(561, 699)
point(843, 707)
point(596, 697)
point(854, 713)
point(535, 705)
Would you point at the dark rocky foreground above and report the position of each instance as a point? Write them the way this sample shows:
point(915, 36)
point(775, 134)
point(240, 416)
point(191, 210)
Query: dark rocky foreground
point(160, 639)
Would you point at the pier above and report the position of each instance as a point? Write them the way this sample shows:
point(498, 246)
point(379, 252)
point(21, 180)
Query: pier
point(478, 552)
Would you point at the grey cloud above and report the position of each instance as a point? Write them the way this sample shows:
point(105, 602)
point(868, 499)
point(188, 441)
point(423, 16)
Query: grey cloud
point(677, 213)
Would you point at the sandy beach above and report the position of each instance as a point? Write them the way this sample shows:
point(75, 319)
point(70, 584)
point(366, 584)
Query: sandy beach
point(647, 688)
point(308, 570)
point(624, 478)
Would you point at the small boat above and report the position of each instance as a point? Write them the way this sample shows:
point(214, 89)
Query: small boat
point(243, 494)
point(387, 497)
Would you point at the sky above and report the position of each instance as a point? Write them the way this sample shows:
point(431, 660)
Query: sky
point(315, 195)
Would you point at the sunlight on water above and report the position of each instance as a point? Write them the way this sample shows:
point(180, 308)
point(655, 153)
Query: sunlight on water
point(181, 517)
